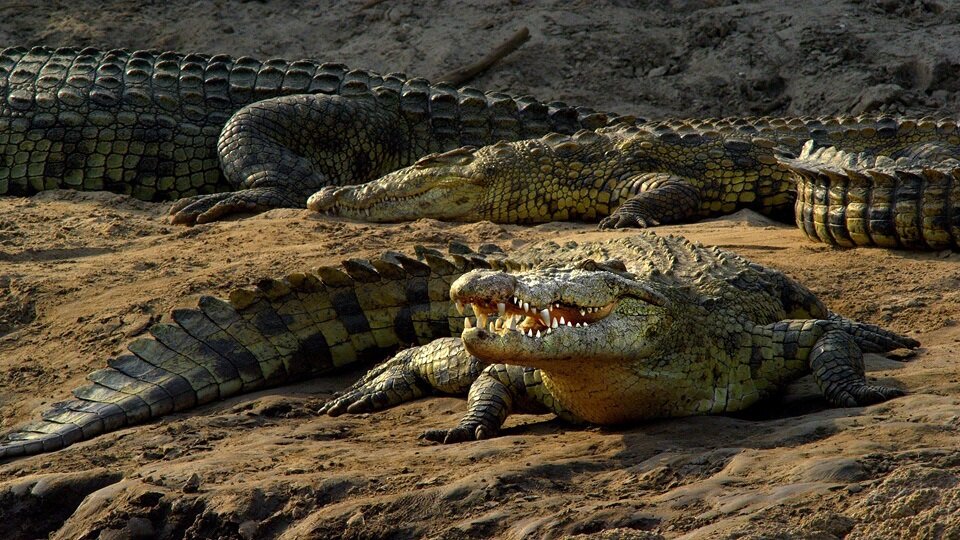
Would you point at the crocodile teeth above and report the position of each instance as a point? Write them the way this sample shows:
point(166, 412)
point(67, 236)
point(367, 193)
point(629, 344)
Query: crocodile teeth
point(492, 327)
point(570, 324)
point(545, 316)
point(481, 318)
point(529, 332)
point(563, 320)
point(513, 323)
point(538, 333)
point(583, 311)
point(549, 330)
point(526, 306)
point(501, 308)
point(467, 323)
point(554, 324)
point(578, 325)
point(459, 307)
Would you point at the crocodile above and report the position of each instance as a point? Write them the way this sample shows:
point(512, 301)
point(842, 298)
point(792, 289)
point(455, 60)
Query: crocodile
point(607, 332)
point(223, 135)
point(860, 199)
point(677, 171)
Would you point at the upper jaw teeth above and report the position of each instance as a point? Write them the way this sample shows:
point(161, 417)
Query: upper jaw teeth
point(536, 322)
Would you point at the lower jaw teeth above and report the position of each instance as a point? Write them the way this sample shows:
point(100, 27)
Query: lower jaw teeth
point(503, 325)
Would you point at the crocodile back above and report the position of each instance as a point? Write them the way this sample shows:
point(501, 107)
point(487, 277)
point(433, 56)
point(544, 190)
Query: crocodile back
point(146, 123)
point(131, 122)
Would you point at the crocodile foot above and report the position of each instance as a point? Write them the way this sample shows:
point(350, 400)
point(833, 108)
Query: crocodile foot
point(207, 208)
point(865, 394)
point(391, 383)
point(466, 431)
point(626, 220)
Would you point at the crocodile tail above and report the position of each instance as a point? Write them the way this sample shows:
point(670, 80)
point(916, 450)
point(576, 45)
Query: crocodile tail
point(280, 331)
point(909, 201)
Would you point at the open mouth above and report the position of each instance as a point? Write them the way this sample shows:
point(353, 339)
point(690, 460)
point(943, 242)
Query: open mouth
point(514, 314)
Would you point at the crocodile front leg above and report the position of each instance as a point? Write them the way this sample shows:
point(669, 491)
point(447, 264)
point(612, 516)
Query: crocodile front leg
point(498, 392)
point(445, 366)
point(442, 365)
point(672, 201)
point(279, 151)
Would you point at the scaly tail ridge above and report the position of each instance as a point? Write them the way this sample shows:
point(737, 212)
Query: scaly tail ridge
point(279, 331)
point(908, 201)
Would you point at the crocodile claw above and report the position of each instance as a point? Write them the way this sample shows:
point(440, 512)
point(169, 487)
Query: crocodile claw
point(461, 433)
point(869, 394)
point(207, 208)
point(389, 384)
point(624, 220)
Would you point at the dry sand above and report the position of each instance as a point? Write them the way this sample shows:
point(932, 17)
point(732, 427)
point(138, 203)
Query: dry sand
point(82, 273)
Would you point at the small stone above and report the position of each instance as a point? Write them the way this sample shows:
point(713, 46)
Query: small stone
point(356, 520)
point(137, 324)
point(139, 527)
point(901, 354)
point(192, 485)
point(876, 96)
point(248, 530)
point(835, 524)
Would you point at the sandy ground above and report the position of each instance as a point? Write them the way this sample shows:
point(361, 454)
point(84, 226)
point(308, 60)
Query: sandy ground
point(82, 273)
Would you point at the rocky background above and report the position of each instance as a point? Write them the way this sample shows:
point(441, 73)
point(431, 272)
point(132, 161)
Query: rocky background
point(81, 274)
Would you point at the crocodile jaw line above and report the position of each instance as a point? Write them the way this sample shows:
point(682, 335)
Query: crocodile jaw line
point(511, 323)
point(387, 200)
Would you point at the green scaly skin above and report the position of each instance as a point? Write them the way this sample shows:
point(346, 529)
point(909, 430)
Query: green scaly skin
point(280, 331)
point(856, 199)
point(667, 172)
point(190, 127)
point(658, 327)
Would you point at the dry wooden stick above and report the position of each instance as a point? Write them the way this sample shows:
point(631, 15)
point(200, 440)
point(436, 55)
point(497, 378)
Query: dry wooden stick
point(465, 74)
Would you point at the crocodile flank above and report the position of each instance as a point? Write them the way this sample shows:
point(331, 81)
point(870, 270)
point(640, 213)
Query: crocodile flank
point(684, 170)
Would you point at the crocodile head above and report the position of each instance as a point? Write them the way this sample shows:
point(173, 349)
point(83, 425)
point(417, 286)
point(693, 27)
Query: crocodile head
point(532, 181)
point(594, 330)
point(441, 186)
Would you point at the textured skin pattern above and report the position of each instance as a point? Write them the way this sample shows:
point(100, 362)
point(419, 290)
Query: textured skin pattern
point(909, 201)
point(675, 329)
point(280, 331)
point(669, 329)
point(162, 126)
point(662, 174)
point(672, 171)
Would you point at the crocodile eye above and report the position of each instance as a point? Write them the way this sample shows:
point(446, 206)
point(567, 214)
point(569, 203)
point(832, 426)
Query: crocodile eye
point(490, 169)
